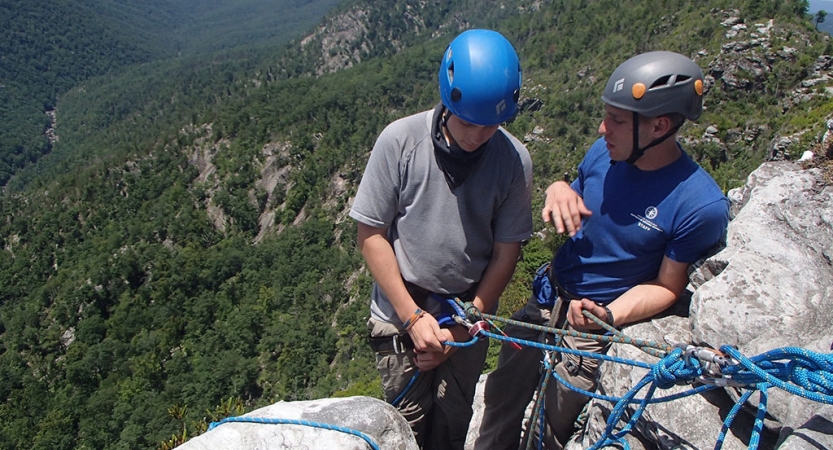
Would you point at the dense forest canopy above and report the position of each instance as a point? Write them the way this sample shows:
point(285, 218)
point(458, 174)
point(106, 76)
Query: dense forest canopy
point(183, 252)
point(49, 47)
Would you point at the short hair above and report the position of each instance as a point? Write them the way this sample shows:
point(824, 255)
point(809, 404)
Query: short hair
point(677, 119)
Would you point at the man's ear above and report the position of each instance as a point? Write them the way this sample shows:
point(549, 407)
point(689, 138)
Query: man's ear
point(662, 125)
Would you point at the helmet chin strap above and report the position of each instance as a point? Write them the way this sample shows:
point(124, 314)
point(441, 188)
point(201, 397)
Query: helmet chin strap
point(637, 152)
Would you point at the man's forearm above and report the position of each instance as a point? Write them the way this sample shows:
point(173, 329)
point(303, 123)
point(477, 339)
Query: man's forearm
point(649, 299)
point(381, 261)
point(641, 302)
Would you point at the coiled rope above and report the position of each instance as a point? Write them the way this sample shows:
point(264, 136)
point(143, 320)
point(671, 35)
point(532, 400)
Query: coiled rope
point(798, 371)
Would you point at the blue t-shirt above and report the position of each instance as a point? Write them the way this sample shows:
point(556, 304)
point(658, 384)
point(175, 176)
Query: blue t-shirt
point(638, 218)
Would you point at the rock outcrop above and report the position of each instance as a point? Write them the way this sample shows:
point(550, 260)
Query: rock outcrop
point(377, 420)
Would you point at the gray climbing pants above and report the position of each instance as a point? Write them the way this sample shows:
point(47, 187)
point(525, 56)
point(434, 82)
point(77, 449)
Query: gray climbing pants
point(512, 386)
point(438, 405)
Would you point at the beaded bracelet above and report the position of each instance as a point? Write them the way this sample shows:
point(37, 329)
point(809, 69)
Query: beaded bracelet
point(416, 316)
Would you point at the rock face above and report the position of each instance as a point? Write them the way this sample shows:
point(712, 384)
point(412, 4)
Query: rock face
point(770, 287)
point(378, 420)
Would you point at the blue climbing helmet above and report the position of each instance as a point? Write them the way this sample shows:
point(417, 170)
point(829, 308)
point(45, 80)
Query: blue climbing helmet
point(480, 78)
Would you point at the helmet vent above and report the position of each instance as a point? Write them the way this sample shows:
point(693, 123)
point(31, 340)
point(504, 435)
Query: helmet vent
point(456, 95)
point(661, 82)
point(670, 80)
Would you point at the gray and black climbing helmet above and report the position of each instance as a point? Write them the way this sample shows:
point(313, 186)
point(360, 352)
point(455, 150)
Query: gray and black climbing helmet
point(657, 83)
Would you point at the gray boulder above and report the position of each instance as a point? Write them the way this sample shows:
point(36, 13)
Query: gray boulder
point(376, 419)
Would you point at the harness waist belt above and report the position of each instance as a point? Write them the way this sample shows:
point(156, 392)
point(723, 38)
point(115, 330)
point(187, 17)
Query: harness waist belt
point(420, 294)
point(398, 343)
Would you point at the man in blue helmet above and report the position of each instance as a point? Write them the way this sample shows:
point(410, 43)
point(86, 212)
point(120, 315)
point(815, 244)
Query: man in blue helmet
point(442, 208)
point(639, 213)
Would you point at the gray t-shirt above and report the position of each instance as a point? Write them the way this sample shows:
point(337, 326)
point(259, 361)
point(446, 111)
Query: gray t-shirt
point(442, 238)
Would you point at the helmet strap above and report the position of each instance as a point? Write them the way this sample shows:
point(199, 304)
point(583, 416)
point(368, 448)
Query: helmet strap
point(445, 114)
point(637, 152)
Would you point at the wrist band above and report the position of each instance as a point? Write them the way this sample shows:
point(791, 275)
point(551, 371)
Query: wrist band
point(609, 319)
point(410, 322)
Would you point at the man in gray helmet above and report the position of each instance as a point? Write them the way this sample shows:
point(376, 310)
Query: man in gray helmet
point(639, 213)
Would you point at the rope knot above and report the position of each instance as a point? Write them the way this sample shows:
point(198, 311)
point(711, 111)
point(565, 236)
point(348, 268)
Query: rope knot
point(670, 370)
point(472, 313)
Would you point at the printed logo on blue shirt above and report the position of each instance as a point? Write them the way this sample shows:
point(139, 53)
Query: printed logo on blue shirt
point(646, 222)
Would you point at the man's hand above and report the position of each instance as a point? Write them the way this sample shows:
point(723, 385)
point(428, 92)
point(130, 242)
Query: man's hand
point(579, 321)
point(427, 334)
point(564, 208)
point(427, 360)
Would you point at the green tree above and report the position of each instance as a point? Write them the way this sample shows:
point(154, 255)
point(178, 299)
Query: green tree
point(819, 17)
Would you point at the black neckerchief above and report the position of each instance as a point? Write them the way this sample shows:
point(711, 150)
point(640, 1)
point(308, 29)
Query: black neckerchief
point(455, 162)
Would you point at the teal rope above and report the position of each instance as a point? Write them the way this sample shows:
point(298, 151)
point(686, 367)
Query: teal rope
point(571, 351)
point(268, 421)
point(807, 374)
point(614, 335)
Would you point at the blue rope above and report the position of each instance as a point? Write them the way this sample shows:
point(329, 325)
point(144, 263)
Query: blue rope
point(401, 395)
point(399, 398)
point(731, 418)
point(326, 426)
point(660, 376)
point(614, 400)
point(804, 373)
point(539, 409)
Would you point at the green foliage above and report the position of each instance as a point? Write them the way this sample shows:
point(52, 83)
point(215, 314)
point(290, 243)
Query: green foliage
point(49, 49)
point(39, 64)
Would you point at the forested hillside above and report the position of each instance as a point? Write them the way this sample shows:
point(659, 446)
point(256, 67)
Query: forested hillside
point(48, 47)
point(183, 251)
